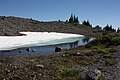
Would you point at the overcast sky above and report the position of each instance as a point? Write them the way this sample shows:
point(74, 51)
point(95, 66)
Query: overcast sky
point(99, 12)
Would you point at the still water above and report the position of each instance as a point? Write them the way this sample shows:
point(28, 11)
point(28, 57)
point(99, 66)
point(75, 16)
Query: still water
point(44, 49)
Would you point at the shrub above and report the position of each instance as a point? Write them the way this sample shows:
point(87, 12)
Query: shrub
point(100, 49)
point(67, 53)
point(71, 73)
point(107, 40)
point(101, 77)
point(110, 61)
point(107, 55)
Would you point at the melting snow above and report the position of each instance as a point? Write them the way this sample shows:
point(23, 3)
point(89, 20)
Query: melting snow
point(32, 38)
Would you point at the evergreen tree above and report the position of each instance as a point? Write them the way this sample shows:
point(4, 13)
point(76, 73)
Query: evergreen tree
point(87, 23)
point(71, 20)
point(84, 23)
point(66, 21)
point(59, 20)
point(98, 27)
point(109, 28)
point(106, 27)
point(113, 30)
point(76, 20)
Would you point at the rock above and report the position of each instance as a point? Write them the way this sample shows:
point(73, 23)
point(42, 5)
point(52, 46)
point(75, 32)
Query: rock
point(7, 70)
point(13, 78)
point(28, 49)
point(15, 67)
point(8, 51)
point(93, 74)
point(34, 78)
point(19, 51)
point(79, 54)
point(60, 70)
point(0, 63)
point(40, 74)
point(63, 55)
point(40, 66)
point(58, 49)
point(33, 50)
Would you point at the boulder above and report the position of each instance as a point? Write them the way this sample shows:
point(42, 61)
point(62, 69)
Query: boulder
point(93, 74)
point(33, 50)
point(40, 66)
point(58, 49)
point(79, 54)
point(19, 51)
point(28, 49)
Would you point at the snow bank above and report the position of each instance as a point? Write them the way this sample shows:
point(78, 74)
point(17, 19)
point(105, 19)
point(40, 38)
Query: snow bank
point(32, 38)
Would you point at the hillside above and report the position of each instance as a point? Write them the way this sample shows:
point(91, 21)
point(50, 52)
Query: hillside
point(97, 60)
point(13, 25)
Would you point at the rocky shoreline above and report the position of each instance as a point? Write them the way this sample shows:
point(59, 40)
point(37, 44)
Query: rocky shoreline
point(51, 66)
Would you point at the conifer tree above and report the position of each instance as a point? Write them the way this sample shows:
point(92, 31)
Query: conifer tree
point(71, 20)
point(109, 28)
point(76, 20)
point(106, 27)
point(87, 23)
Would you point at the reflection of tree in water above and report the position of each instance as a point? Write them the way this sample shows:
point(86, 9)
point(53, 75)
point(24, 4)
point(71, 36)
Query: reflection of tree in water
point(85, 40)
point(74, 44)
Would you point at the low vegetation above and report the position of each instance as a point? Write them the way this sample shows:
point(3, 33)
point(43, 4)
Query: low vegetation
point(106, 40)
point(70, 74)
point(65, 65)
point(104, 46)
point(110, 61)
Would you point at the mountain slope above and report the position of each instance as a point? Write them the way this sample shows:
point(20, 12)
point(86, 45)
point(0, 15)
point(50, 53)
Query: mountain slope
point(13, 25)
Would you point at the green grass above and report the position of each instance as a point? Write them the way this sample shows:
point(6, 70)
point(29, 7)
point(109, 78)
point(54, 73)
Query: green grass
point(100, 49)
point(106, 40)
point(5, 60)
point(110, 61)
point(70, 74)
point(68, 53)
point(101, 77)
point(107, 55)
point(105, 46)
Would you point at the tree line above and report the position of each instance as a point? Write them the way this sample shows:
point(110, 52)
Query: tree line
point(74, 19)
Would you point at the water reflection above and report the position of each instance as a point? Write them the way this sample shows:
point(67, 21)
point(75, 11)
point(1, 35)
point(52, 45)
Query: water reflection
point(74, 44)
point(86, 40)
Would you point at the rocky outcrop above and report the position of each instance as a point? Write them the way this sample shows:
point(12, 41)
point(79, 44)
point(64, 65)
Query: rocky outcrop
point(28, 49)
point(58, 49)
point(92, 74)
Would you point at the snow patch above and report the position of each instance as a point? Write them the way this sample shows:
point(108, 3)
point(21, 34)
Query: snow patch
point(34, 38)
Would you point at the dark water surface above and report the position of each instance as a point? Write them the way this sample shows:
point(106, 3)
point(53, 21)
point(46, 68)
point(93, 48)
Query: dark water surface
point(43, 49)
